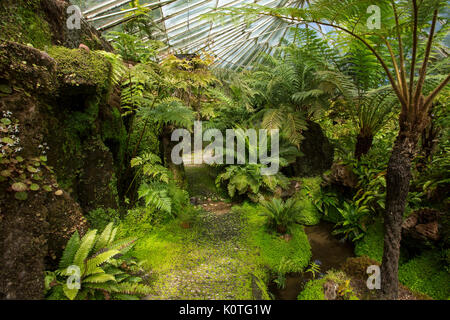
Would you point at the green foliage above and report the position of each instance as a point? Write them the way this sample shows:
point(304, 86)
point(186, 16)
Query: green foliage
point(247, 179)
point(306, 199)
point(149, 165)
point(314, 289)
point(351, 226)
point(272, 247)
point(327, 203)
point(371, 244)
point(281, 214)
point(425, 274)
point(294, 88)
point(280, 279)
point(314, 269)
point(132, 48)
point(100, 217)
point(102, 273)
point(170, 111)
point(156, 195)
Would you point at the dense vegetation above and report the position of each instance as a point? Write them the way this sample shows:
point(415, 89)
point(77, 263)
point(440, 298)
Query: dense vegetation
point(363, 120)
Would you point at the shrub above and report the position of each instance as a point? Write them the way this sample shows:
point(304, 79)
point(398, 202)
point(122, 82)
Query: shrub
point(371, 244)
point(281, 214)
point(426, 274)
point(351, 225)
point(100, 217)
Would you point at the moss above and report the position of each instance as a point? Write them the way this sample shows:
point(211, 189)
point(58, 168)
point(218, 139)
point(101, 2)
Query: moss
point(314, 289)
point(426, 274)
point(23, 22)
point(86, 72)
point(186, 264)
point(310, 187)
point(371, 244)
point(272, 247)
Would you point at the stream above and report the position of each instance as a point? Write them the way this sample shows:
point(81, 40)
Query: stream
point(326, 248)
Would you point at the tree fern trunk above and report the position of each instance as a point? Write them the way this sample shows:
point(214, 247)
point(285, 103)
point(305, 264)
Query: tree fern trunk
point(397, 186)
point(363, 145)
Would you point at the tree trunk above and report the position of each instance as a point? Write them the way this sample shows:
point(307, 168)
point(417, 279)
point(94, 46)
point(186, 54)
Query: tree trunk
point(429, 142)
point(363, 145)
point(397, 186)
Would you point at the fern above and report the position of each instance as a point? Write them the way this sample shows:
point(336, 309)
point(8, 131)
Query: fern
point(69, 252)
point(103, 269)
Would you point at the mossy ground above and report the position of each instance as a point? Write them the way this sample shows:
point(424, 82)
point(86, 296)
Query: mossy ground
point(426, 274)
point(273, 248)
point(210, 260)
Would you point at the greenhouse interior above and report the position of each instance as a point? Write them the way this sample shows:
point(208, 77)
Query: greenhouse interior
point(224, 150)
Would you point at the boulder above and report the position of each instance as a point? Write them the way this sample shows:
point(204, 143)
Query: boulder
point(422, 228)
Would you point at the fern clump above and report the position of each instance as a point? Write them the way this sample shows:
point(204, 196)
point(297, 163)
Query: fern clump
point(95, 267)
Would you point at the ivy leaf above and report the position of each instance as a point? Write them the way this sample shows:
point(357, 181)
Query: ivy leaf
point(6, 173)
point(5, 121)
point(47, 188)
point(34, 187)
point(21, 196)
point(7, 140)
point(19, 187)
point(19, 158)
point(32, 169)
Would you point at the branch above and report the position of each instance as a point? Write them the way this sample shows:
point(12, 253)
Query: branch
point(432, 95)
point(382, 62)
point(402, 83)
point(423, 69)
point(414, 50)
point(394, 61)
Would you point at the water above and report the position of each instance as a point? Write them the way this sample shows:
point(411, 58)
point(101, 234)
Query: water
point(326, 248)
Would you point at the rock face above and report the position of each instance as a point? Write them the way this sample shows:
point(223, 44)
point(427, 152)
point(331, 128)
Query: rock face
point(422, 225)
point(61, 101)
point(341, 175)
point(317, 152)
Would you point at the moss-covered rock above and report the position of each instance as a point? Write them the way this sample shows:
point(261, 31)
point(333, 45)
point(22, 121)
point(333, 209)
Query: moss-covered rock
point(24, 22)
point(27, 68)
point(80, 72)
point(42, 23)
point(335, 285)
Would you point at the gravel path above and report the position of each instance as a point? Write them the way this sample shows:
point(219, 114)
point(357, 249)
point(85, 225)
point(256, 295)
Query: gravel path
point(215, 264)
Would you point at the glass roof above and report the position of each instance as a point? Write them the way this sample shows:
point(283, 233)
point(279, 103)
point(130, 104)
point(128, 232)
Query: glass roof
point(234, 43)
